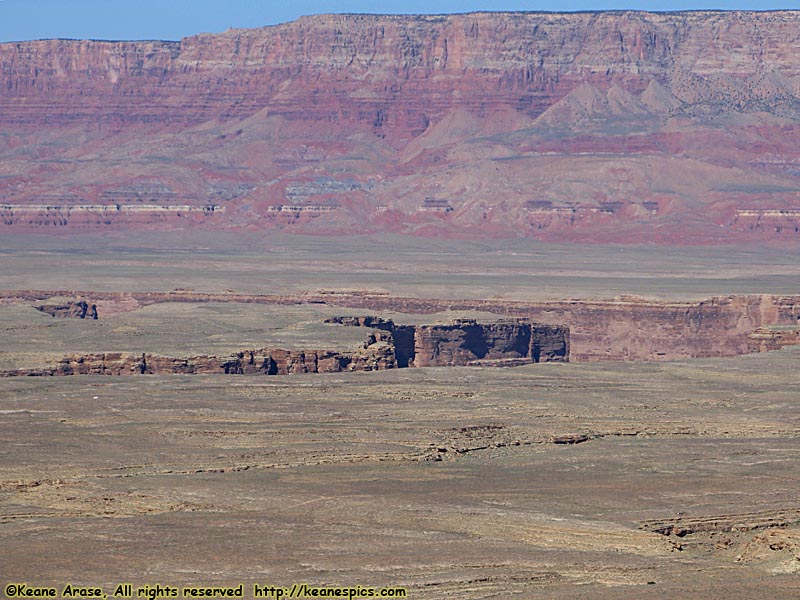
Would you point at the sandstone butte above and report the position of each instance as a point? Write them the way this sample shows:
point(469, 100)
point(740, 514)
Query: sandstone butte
point(673, 128)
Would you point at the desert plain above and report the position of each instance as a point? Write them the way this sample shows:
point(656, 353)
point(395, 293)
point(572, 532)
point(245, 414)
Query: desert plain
point(580, 479)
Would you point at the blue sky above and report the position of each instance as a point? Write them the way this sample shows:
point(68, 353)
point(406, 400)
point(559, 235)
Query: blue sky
point(173, 19)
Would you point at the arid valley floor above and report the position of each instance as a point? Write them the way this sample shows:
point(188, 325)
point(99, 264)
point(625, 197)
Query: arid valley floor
point(661, 475)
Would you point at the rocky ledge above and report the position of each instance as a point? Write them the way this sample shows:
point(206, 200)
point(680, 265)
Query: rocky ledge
point(387, 346)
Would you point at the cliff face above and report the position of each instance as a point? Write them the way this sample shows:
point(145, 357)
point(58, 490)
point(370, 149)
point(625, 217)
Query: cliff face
point(510, 342)
point(375, 357)
point(507, 342)
point(624, 126)
point(401, 71)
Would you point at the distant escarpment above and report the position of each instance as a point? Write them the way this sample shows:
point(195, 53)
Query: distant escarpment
point(398, 73)
point(673, 128)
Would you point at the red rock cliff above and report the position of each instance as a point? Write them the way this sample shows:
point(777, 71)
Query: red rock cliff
point(395, 70)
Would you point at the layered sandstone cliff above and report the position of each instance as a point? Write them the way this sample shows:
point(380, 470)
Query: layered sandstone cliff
point(403, 71)
point(618, 126)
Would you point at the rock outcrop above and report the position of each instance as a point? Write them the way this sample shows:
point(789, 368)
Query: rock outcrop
point(621, 126)
point(374, 357)
point(505, 342)
point(467, 342)
point(70, 310)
